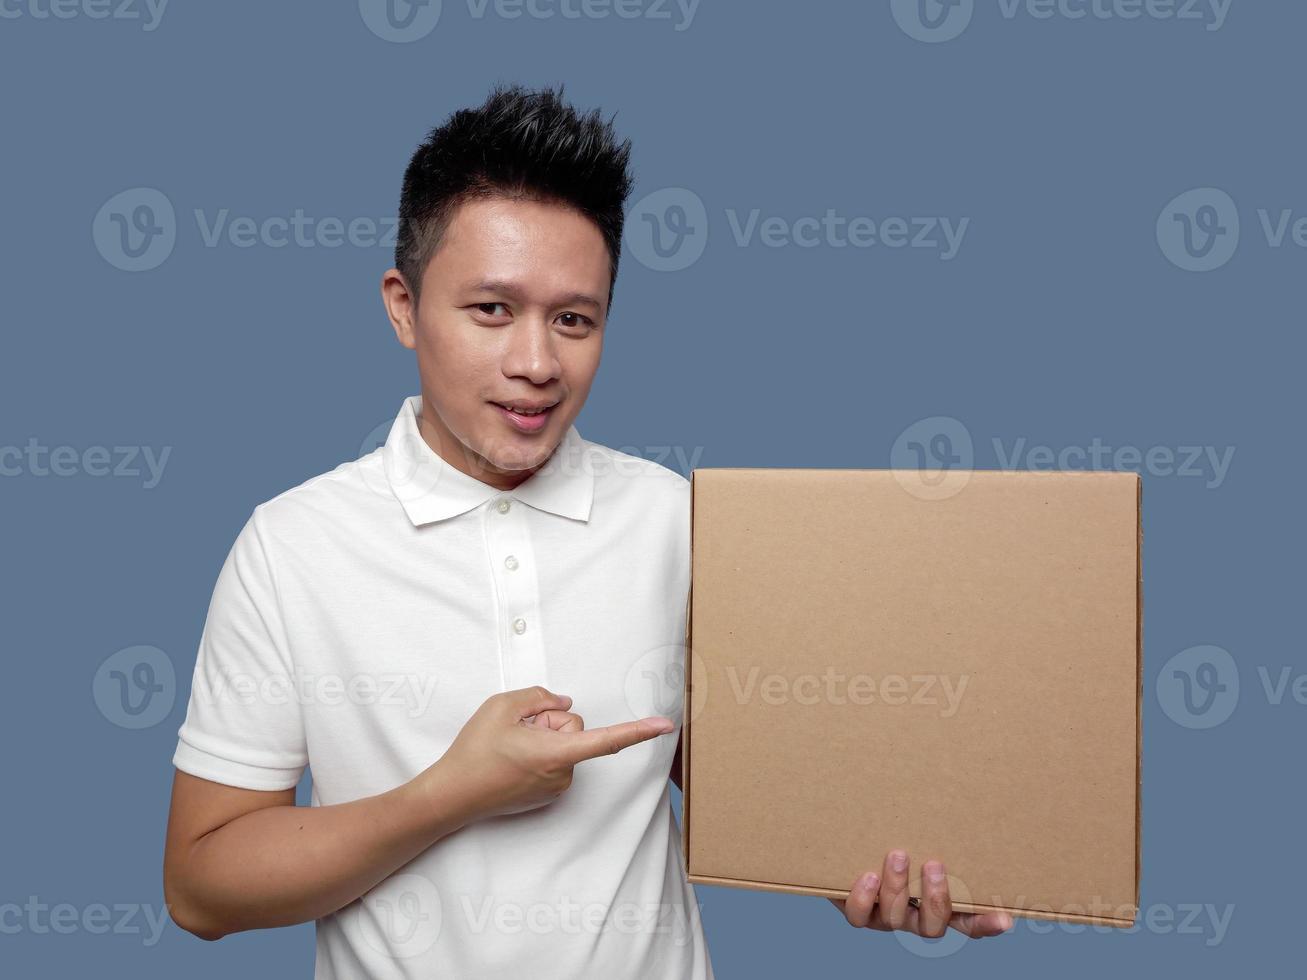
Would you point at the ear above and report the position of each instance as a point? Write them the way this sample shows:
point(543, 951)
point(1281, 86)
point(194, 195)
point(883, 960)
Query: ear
point(401, 307)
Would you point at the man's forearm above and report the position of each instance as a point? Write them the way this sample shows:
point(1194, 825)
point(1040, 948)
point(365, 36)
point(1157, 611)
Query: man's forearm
point(284, 865)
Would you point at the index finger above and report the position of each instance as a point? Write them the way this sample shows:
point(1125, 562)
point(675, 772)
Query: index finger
point(611, 739)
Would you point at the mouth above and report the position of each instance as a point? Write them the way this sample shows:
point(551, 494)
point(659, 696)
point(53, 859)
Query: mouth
point(526, 416)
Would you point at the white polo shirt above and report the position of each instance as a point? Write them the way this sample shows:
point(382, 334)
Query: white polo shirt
point(363, 616)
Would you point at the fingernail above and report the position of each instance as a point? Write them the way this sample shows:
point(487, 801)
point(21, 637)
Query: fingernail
point(868, 882)
point(664, 725)
point(934, 872)
point(1006, 922)
point(898, 860)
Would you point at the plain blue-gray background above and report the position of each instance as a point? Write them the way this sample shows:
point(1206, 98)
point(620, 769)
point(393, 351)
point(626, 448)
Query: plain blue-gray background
point(1073, 314)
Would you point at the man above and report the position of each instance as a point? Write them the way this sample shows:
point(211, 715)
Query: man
point(453, 631)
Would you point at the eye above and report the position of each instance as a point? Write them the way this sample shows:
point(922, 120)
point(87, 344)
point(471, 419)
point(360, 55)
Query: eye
point(489, 308)
point(576, 320)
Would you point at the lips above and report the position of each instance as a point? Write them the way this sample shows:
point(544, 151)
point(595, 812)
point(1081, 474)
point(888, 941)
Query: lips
point(526, 407)
point(525, 416)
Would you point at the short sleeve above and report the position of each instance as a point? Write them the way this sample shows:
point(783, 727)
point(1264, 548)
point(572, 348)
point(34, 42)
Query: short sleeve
point(243, 722)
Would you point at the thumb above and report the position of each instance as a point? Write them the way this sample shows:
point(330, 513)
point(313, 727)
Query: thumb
point(529, 701)
point(610, 739)
point(558, 721)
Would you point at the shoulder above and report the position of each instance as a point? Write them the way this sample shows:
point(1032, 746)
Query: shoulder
point(346, 496)
point(641, 481)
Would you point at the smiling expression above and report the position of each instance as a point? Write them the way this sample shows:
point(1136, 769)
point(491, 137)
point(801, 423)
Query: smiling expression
point(508, 333)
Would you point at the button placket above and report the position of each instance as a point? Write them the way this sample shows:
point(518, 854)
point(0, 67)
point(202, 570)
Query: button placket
point(511, 563)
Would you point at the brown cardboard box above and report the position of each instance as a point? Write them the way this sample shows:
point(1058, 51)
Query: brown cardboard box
point(877, 660)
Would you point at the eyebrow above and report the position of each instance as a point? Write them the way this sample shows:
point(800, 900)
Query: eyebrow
point(503, 288)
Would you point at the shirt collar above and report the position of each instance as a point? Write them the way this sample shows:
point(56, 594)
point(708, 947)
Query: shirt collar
point(430, 489)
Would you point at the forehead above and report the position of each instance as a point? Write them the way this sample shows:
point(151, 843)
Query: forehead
point(542, 246)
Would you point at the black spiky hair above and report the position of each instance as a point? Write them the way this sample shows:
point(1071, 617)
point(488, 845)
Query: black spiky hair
point(519, 143)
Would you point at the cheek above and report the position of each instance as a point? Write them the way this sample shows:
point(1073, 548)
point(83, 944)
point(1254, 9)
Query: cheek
point(581, 364)
point(455, 356)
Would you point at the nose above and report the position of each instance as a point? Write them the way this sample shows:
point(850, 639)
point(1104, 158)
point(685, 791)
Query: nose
point(530, 353)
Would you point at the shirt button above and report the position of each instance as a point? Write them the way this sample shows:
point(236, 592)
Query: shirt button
point(519, 625)
point(503, 506)
point(511, 563)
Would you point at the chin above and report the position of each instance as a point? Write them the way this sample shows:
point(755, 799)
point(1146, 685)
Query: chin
point(511, 457)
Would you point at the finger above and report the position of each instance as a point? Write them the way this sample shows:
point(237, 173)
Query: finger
point(936, 907)
point(892, 909)
point(862, 899)
point(613, 738)
point(558, 721)
point(978, 925)
point(909, 922)
point(530, 701)
point(543, 719)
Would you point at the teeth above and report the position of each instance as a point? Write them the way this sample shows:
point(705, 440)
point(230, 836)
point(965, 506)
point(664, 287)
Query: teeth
point(523, 411)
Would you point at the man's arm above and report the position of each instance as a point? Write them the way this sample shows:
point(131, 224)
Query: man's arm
point(239, 859)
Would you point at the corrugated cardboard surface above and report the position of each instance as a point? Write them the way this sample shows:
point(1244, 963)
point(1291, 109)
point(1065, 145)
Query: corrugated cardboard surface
point(960, 677)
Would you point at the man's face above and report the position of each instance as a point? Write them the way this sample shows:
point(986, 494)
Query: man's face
point(511, 316)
